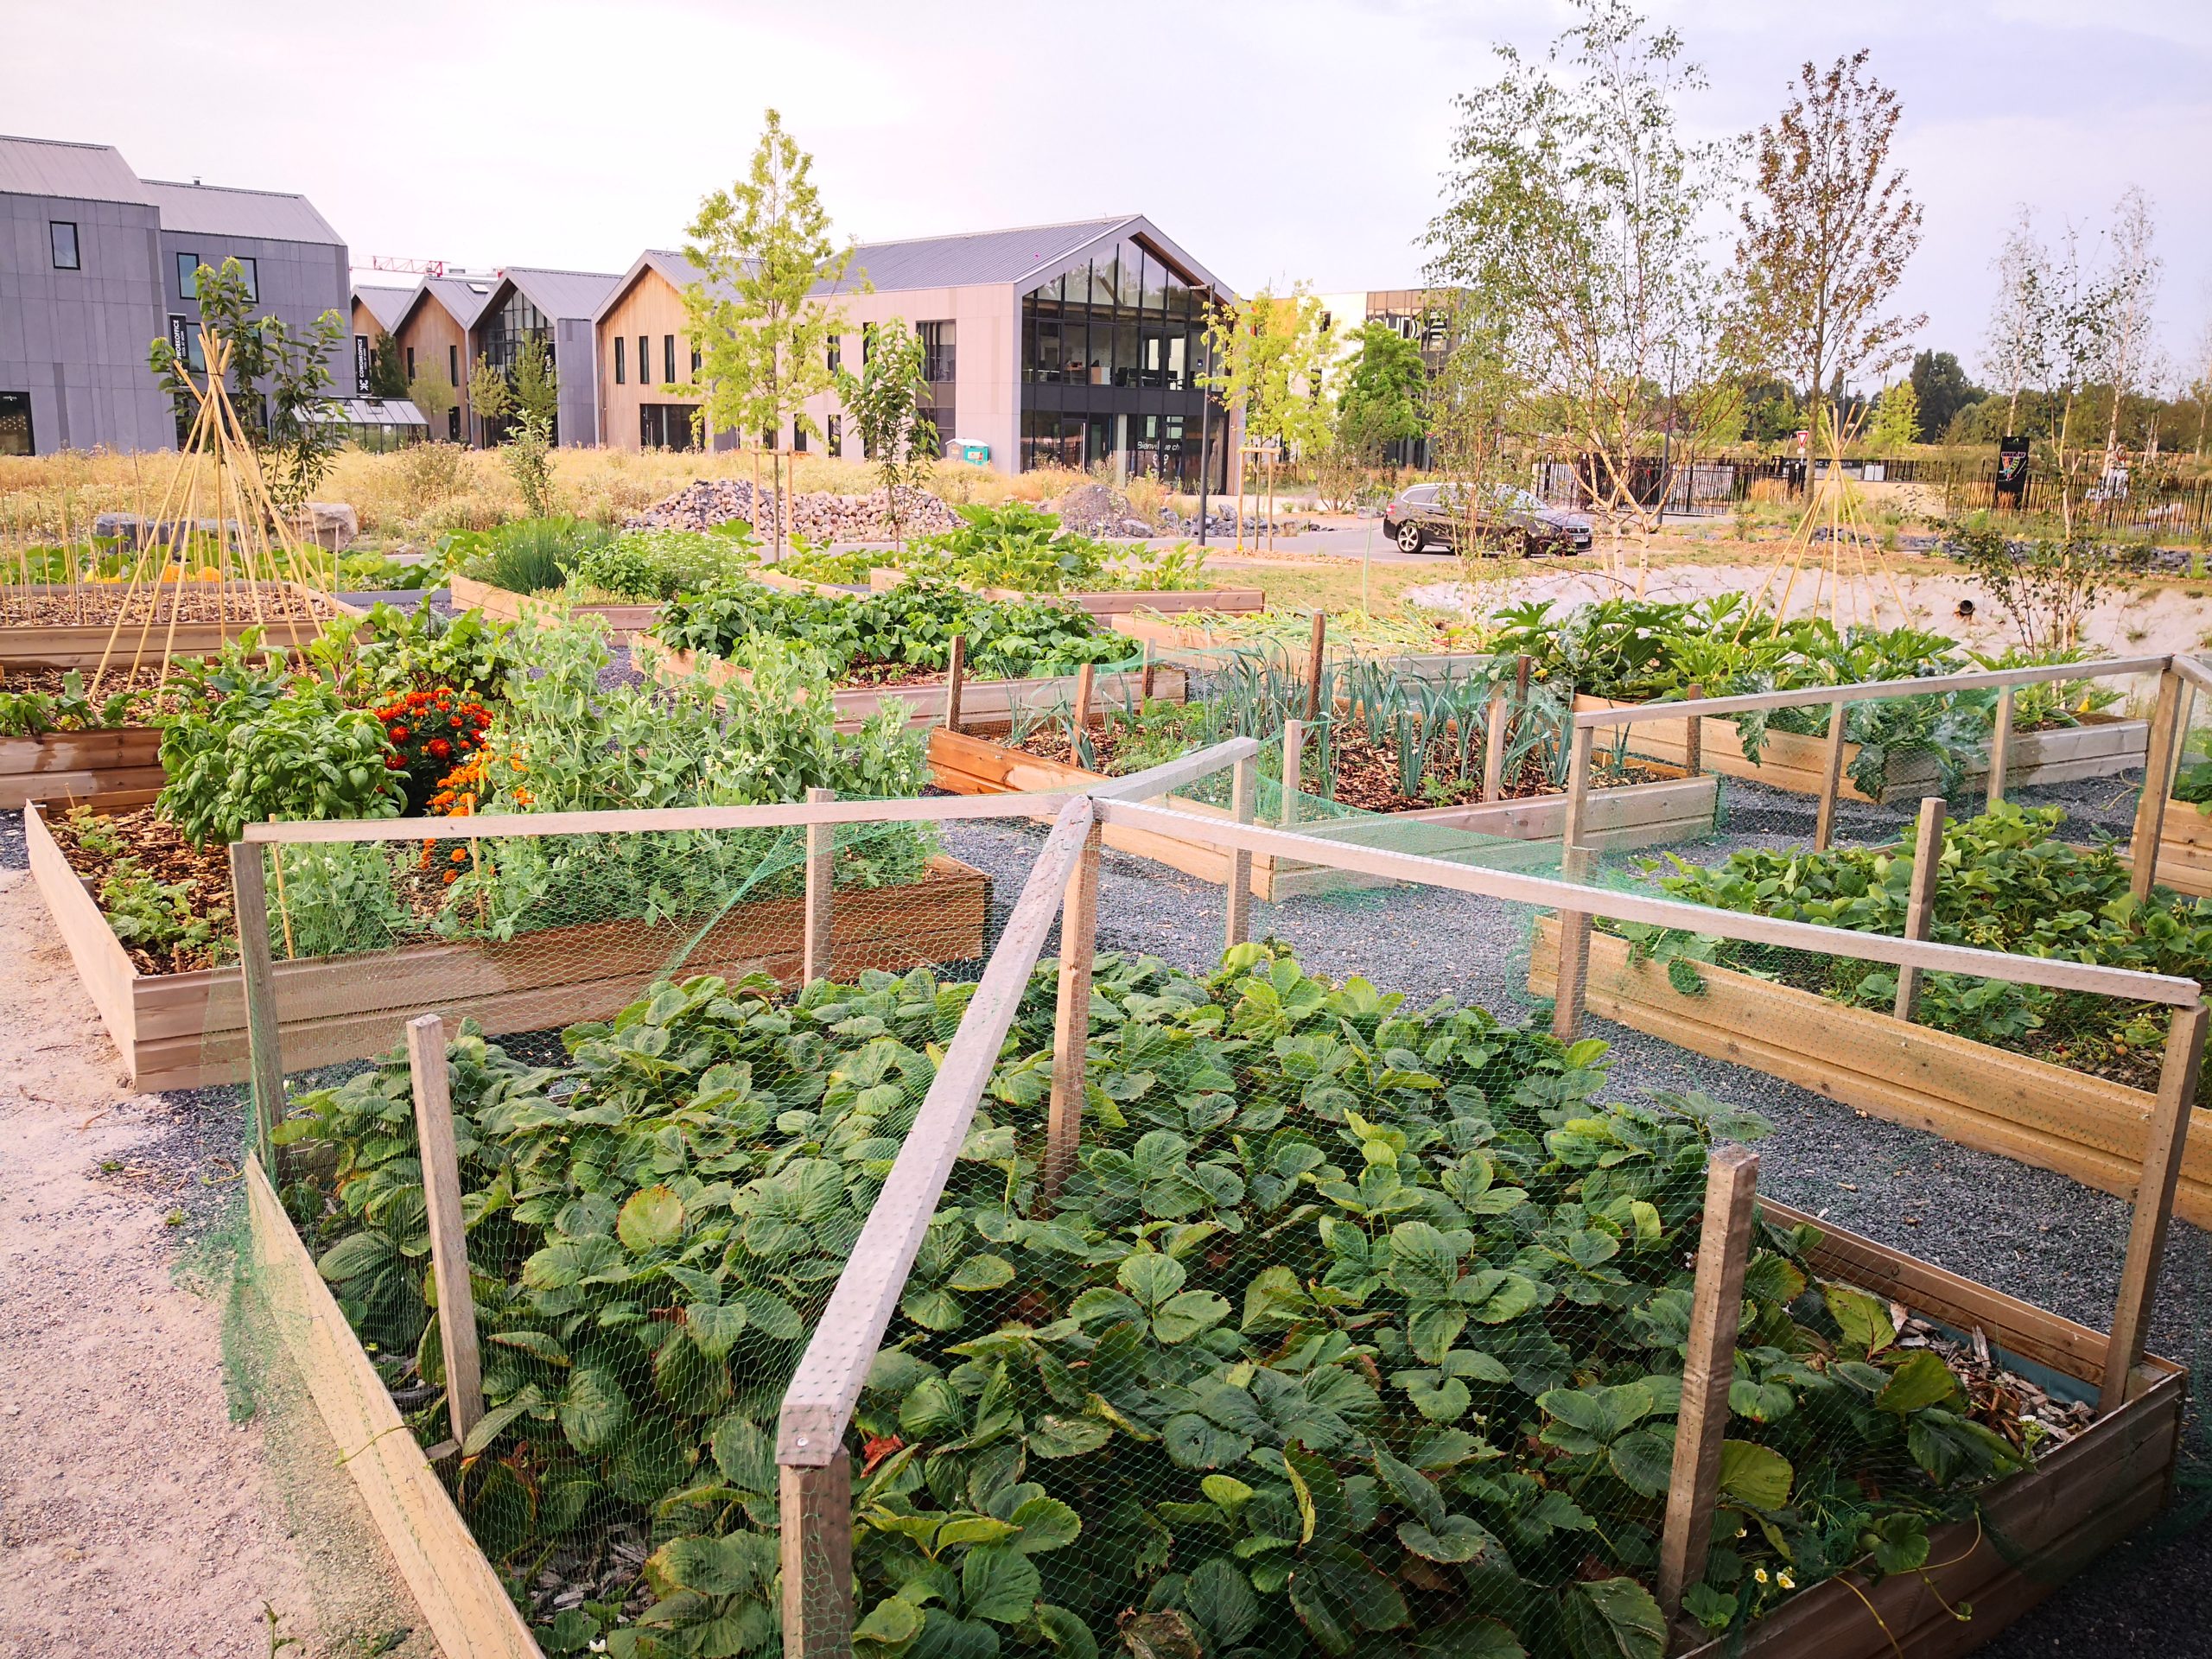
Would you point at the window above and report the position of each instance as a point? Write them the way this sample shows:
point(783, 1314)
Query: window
point(619, 356)
point(695, 362)
point(937, 352)
point(188, 275)
point(453, 366)
point(16, 423)
point(798, 439)
point(836, 439)
point(668, 358)
point(836, 357)
point(411, 363)
point(63, 234)
point(644, 358)
point(250, 269)
point(665, 426)
point(452, 424)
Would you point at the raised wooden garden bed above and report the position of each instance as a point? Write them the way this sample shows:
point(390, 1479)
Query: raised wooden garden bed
point(1527, 829)
point(1105, 602)
point(117, 767)
point(182, 1031)
point(501, 605)
point(2091, 1129)
point(2184, 849)
point(2102, 745)
point(2035, 1529)
point(989, 705)
point(83, 645)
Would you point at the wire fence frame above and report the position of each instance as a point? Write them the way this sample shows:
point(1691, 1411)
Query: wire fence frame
point(814, 1469)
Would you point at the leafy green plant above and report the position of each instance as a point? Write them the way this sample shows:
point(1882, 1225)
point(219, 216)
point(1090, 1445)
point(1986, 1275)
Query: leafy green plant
point(1359, 1324)
point(532, 556)
point(644, 565)
point(2007, 883)
point(159, 915)
point(28, 713)
point(250, 741)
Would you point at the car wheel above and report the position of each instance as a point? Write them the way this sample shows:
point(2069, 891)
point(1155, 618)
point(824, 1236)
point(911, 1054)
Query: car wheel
point(1409, 538)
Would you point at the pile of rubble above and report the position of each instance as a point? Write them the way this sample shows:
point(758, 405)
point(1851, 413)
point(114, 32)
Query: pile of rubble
point(818, 515)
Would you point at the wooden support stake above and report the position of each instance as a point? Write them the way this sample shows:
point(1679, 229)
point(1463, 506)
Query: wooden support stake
point(1079, 715)
point(821, 879)
point(1522, 664)
point(2167, 1139)
point(2157, 782)
point(816, 1512)
point(1573, 950)
point(2000, 746)
point(434, 1142)
point(1245, 781)
point(1294, 757)
point(1716, 1310)
point(1831, 780)
point(953, 669)
point(1578, 792)
point(250, 905)
point(1071, 1019)
point(1144, 676)
point(1920, 904)
point(1314, 654)
point(1494, 745)
point(1694, 737)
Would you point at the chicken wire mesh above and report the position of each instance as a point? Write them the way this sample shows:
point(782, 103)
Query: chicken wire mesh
point(1359, 1324)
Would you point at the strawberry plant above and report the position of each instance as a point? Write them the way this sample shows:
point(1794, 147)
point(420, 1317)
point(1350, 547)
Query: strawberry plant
point(1358, 1329)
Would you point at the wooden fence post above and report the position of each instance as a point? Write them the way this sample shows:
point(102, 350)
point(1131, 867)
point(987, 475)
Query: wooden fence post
point(2166, 1138)
point(1079, 716)
point(434, 1141)
point(1494, 741)
point(1314, 652)
point(2158, 780)
point(954, 668)
point(1573, 950)
point(1294, 755)
point(1693, 736)
point(1578, 792)
point(2000, 746)
point(1245, 785)
point(1716, 1309)
point(1071, 1019)
point(1920, 903)
point(1831, 780)
point(815, 1511)
point(821, 877)
point(249, 906)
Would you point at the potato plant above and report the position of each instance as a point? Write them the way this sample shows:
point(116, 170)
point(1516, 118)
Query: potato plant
point(1359, 1329)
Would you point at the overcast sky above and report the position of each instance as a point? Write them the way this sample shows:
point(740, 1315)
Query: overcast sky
point(1295, 139)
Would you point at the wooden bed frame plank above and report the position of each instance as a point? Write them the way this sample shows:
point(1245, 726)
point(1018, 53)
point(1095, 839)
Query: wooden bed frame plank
point(458, 1594)
point(2089, 1130)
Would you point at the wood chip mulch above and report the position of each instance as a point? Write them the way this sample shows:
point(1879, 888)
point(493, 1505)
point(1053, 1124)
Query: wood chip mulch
point(160, 853)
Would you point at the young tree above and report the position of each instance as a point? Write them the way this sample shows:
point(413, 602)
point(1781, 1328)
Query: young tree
point(2200, 389)
point(1827, 235)
point(387, 368)
point(489, 398)
point(764, 247)
point(2017, 350)
point(1573, 225)
point(434, 396)
point(1384, 389)
point(1270, 357)
point(1897, 418)
point(884, 403)
point(2133, 282)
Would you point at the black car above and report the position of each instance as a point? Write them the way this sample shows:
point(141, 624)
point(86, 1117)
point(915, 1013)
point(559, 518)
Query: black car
point(1508, 520)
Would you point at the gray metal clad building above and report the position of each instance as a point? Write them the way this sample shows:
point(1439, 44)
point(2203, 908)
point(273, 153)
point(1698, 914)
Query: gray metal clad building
point(96, 262)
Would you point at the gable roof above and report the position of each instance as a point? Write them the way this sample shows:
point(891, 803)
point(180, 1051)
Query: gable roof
point(1024, 257)
point(563, 293)
point(53, 167)
point(386, 303)
point(462, 298)
point(221, 210)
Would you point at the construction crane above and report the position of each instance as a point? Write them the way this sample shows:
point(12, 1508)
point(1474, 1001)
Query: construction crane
point(407, 267)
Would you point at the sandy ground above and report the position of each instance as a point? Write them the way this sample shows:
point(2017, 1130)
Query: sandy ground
point(162, 1476)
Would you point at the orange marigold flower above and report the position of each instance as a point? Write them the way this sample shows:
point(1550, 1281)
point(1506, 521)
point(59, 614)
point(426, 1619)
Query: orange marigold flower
point(460, 855)
point(452, 876)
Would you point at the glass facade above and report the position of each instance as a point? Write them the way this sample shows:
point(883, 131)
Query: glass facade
point(505, 330)
point(1111, 354)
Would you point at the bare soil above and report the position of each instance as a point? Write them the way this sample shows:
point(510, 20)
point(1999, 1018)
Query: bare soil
point(163, 1477)
point(141, 842)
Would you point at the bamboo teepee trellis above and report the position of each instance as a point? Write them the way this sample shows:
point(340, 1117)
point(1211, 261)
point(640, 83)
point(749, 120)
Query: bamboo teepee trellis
point(1832, 504)
point(259, 561)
